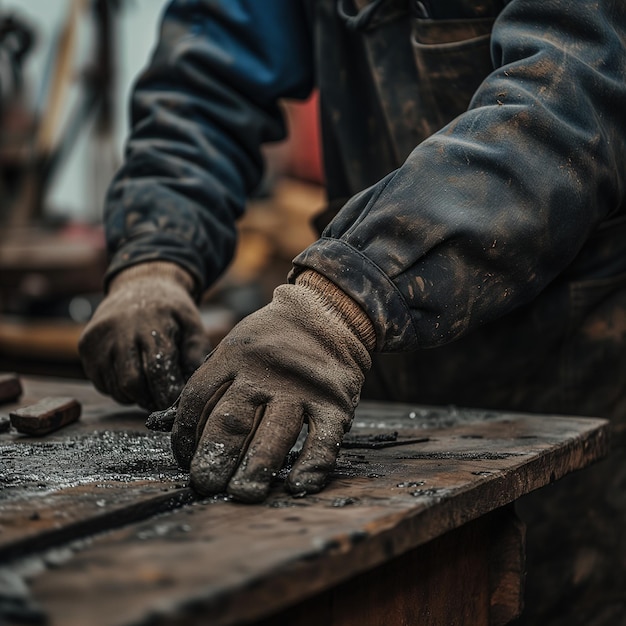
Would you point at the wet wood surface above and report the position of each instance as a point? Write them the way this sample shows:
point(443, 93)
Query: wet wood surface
point(118, 538)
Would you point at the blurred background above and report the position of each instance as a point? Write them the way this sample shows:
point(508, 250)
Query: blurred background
point(66, 71)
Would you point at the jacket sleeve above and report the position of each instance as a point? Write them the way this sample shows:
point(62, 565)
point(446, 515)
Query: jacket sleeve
point(485, 213)
point(199, 114)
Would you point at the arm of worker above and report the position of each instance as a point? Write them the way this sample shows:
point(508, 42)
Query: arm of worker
point(200, 112)
point(480, 218)
point(485, 213)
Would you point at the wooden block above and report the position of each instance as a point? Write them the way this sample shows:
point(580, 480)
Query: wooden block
point(10, 387)
point(45, 416)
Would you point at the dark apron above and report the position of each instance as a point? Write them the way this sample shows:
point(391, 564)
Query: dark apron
point(390, 73)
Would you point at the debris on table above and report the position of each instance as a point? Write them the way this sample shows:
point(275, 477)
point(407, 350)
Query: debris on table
point(383, 440)
point(10, 387)
point(46, 416)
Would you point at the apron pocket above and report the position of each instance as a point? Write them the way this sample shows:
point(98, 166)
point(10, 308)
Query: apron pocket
point(594, 356)
point(452, 57)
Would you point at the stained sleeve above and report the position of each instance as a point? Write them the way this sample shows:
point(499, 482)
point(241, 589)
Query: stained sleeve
point(485, 213)
point(200, 113)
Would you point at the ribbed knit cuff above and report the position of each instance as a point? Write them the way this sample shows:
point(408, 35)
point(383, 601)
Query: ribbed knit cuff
point(154, 270)
point(349, 311)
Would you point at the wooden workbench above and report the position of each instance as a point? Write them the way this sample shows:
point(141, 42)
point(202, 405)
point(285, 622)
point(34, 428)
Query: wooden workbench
point(98, 526)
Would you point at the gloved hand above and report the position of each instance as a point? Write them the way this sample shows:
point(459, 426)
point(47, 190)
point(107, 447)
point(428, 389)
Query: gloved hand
point(303, 357)
point(146, 338)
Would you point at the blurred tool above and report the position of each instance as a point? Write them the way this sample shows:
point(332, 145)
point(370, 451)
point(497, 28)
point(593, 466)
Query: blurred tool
point(56, 131)
point(52, 269)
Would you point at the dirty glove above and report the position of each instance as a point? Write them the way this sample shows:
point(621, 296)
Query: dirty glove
point(302, 358)
point(146, 338)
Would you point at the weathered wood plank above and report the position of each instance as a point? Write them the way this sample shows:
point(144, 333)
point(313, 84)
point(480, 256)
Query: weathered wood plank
point(46, 415)
point(96, 474)
point(55, 490)
point(234, 563)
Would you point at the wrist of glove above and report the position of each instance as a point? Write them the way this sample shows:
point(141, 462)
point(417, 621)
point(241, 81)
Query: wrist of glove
point(161, 270)
point(146, 337)
point(302, 358)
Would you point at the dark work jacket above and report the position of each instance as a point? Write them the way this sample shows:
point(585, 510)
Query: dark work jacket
point(475, 152)
point(478, 146)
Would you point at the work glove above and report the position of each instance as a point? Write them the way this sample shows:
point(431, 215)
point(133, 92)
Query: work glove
point(146, 338)
point(302, 358)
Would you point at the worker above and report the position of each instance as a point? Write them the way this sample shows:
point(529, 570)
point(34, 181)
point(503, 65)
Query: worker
point(473, 251)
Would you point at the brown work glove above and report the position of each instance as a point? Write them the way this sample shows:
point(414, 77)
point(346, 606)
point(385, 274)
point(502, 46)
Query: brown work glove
point(146, 338)
point(301, 358)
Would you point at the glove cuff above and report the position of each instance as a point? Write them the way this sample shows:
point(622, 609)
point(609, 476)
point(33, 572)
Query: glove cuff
point(342, 304)
point(154, 270)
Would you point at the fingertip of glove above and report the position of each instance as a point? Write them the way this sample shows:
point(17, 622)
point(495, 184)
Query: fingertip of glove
point(206, 484)
point(162, 421)
point(208, 477)
point(250, 492)
point(306, 482)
